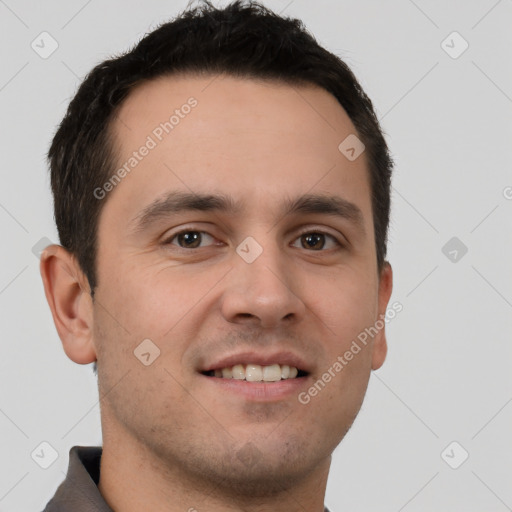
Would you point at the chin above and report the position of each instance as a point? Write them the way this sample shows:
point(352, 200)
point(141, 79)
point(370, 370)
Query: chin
point(263, 469)
point(259, 479)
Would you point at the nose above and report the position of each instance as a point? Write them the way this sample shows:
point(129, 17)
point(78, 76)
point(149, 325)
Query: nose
point(263, 292)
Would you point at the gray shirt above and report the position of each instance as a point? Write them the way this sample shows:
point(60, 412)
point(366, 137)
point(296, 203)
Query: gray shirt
point(79, 491)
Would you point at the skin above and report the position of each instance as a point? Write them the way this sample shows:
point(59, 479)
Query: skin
point(171, 441)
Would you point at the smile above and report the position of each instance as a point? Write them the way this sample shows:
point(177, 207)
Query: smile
point(257, 373)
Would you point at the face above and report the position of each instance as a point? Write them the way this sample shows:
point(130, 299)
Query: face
point(257, 272)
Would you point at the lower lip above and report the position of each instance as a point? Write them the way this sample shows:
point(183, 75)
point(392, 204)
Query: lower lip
point(261, 391)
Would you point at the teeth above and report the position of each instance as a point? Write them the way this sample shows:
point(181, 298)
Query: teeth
point(253, 373)
point(272, 373)
point(257, 373)
point(227, 373)
point(238, 372)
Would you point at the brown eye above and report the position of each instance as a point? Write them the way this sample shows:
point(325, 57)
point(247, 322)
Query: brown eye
point(316, 240)
point(188, 239)
point(313, 241)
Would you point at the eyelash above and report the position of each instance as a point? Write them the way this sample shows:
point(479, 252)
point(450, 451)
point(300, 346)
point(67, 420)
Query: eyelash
point(169, 240)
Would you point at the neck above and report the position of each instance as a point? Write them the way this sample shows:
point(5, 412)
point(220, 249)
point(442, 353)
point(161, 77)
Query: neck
point(132, 478)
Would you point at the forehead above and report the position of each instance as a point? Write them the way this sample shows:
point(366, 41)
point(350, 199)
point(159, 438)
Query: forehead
point(233, 103)
point(249, 138)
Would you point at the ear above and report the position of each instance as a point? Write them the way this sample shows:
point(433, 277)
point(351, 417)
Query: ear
point(67, 292)
point(380, 346)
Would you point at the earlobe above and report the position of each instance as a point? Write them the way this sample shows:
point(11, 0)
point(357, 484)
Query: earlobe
point(380, 346)
point(68, 296)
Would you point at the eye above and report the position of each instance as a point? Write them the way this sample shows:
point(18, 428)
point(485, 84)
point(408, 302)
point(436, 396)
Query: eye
point(188, 239)
point(192, 239)
point(315, 240)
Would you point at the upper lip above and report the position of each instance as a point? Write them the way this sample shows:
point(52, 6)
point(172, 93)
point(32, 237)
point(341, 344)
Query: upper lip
point(263, 359)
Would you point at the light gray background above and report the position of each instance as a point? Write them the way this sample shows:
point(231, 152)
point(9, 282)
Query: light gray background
point(447, 375)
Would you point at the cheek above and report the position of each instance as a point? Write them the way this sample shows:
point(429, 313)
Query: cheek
point(348, 309)
point(147, 301)
point(348, 305)
point(161, 301)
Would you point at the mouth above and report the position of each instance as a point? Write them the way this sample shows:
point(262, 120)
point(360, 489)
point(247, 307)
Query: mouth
point(252, 372)
point(264, 377)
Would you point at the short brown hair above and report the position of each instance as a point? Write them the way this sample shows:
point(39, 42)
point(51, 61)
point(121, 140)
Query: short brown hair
point(244, 39)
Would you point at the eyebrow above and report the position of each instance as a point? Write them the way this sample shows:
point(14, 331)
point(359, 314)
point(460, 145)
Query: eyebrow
point(179, 202)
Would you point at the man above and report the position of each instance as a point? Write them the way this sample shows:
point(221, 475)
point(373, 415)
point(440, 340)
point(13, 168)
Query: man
point(222, 200)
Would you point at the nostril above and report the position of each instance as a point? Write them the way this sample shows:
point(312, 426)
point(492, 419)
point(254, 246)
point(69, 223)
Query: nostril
point(245, 315)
